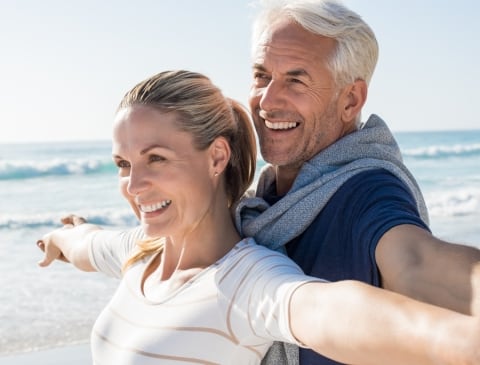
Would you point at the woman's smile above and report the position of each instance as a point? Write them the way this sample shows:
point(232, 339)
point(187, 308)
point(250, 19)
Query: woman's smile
point(149, 208)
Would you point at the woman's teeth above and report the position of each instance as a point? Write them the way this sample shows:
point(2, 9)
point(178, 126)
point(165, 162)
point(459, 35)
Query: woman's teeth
point(153, 207)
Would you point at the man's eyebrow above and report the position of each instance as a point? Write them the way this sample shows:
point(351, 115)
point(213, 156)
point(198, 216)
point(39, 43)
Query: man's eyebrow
point(259, 67)
point(298, 72)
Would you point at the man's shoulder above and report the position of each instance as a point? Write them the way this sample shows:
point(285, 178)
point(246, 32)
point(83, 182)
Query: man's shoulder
point(364, 197)
point(374, 176)
point(367, 185)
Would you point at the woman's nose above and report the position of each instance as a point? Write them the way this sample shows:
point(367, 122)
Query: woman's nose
point(137, 182)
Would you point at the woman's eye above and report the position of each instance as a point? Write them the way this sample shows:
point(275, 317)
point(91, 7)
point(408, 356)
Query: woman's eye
point(123, 164)
point(156, 158)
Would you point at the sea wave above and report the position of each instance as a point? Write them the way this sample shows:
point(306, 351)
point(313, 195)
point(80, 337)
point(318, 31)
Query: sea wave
point(19, 170)
point(103, 217)
point(450, 203)
point(443, 151)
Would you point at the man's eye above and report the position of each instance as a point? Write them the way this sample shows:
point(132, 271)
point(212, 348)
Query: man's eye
point(295, 81)
point(261, 79)
point(261, 76)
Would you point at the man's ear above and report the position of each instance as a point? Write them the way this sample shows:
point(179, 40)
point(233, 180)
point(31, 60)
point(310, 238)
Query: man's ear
point(220, 155)
point(352, 99)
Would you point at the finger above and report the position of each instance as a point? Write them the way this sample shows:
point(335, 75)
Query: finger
point(41, 245)
point(51, 252)
point(73, 220)
point(78, 220)
point(68, 219)
point(47, 260)
point(61, 257)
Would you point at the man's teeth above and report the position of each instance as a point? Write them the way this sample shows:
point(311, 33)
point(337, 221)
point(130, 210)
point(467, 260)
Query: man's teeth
point(280, 125)
point(153, 207)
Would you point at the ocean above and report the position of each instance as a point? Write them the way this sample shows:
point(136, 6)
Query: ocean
point(40, 182)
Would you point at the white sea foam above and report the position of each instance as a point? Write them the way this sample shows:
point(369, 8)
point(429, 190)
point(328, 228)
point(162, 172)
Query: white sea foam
point(442, 151)
point(25, 169)
point(105, 217)
point(456, 202)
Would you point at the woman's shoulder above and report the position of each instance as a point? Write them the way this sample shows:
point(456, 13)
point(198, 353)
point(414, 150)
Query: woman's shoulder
point(248, 253)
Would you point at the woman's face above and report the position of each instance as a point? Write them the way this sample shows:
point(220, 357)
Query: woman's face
point(168, 183)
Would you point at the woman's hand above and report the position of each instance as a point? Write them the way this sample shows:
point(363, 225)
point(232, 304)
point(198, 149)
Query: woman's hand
point(49, 243)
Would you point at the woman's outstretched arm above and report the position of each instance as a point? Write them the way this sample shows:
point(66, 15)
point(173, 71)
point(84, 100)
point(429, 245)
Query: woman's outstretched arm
point(356, 323)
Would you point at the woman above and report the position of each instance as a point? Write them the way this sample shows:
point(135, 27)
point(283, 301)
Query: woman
point(194, 291)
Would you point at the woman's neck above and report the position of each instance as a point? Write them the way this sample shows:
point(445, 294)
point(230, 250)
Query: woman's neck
point(198, 248)
point(183, 258)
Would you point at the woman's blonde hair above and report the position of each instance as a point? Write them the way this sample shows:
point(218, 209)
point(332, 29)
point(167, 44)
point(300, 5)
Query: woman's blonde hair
point(206, 114)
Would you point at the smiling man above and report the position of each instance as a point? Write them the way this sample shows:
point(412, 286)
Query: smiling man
point(336, 194)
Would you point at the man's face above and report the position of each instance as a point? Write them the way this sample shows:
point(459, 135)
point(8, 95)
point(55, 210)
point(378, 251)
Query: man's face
point(293, 98)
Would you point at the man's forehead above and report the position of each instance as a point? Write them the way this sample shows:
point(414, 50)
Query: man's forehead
point(281, 31)
point(287, 38)
point(293, 57)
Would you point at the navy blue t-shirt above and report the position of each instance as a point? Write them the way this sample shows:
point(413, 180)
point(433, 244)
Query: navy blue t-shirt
point(340, 243)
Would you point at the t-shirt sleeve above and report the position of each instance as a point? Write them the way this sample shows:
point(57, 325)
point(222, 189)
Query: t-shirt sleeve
point(108, 250)
point(341, 242)
point(261, 285)
point(269, 306)
point(385, 202)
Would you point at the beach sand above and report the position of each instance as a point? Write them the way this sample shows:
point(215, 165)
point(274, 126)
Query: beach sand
point(71, 355)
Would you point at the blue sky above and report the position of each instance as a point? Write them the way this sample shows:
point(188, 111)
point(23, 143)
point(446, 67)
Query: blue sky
point(65, 65)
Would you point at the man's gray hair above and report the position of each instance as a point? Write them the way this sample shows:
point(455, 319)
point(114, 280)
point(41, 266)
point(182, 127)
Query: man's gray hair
point(356, 53)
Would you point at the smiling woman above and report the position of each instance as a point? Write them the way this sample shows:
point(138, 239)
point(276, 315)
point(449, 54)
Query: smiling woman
point(166, 164)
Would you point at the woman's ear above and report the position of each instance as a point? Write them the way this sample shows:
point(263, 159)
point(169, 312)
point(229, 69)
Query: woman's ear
point(352, 99)
point(220, 155)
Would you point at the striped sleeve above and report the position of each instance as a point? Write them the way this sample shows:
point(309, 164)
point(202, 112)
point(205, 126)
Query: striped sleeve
point(263, 282)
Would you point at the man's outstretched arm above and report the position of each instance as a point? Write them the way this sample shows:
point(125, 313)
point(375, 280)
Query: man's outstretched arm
point(415, 263)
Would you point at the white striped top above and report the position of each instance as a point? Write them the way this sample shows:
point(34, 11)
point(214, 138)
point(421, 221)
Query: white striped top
point(229, 313)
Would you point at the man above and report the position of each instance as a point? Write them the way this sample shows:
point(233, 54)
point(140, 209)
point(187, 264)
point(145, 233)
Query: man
point(337, 195)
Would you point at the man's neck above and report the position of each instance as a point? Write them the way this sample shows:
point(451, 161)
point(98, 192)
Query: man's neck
point(285, 176)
